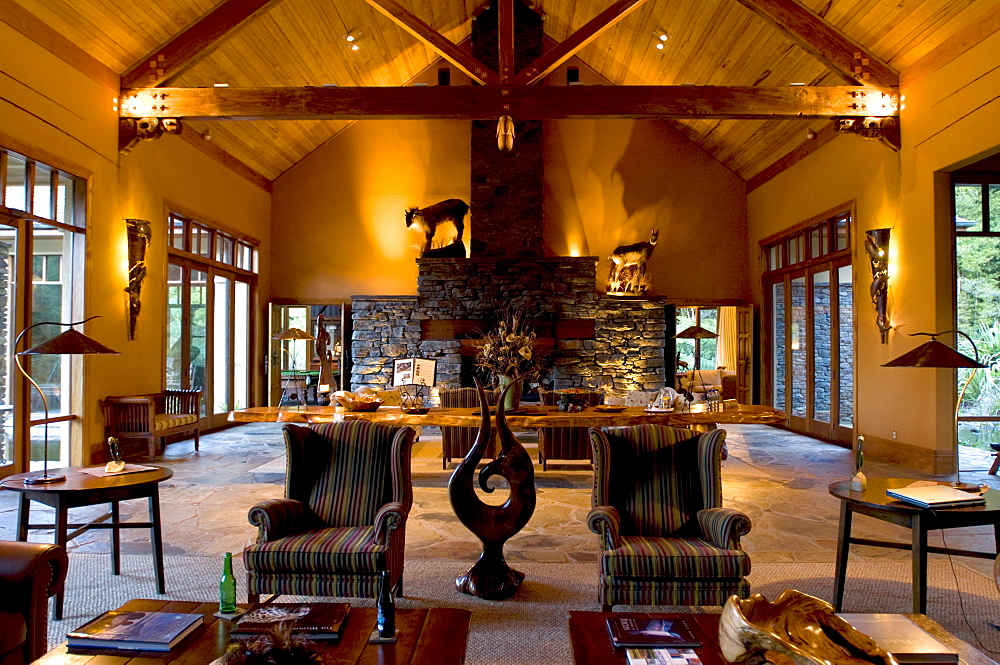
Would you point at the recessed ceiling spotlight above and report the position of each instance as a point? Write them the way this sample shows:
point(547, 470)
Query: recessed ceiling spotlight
point(660, 39)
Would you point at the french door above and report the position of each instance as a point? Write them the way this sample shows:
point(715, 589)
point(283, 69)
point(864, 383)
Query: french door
point(208, 336)
point(811, 350)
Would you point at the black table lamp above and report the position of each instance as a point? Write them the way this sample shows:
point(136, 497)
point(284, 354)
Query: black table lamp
point(68, 342)
point(939, 355)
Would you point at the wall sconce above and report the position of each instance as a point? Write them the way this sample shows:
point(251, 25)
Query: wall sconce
point(877, 246)
point(139, 234)
point(505, 133)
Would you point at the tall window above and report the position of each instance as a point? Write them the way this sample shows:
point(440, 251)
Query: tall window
point(42, 224)
point(210, 291)
point(976, 205)
point(700, 353)
point(809, 323)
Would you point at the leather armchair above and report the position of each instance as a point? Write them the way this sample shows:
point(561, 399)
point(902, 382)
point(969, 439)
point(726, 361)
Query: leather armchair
point(342, 523)
point(657, 507)
point(30, 573)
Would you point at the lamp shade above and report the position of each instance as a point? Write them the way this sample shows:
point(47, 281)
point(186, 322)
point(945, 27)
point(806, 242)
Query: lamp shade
point(934, 354)
point(695, 332)
point(293, 333)
point(68, 342)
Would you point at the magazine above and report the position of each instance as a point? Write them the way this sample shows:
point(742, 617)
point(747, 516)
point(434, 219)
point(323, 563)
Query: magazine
point(666, 656)
point(647, 632)
point(314, 621)
point(137, 631)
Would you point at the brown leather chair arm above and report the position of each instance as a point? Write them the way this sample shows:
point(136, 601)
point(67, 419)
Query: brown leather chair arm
point(29, 574)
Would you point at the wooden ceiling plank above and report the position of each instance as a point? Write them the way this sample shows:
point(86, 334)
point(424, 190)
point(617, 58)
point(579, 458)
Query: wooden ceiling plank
point(447, 49)
point(528, 102)
point(194, 43)
point(825, 42)
point(569, 47)
point(505, 38)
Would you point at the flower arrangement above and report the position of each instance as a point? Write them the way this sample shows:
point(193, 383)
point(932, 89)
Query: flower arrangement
point(508, 351)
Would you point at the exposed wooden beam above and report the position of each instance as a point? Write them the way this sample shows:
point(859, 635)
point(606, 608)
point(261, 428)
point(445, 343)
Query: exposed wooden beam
point(567, 48)
point(521, 102)
point(796, 155)
point(173, 58)
point(840, 53)
point(447, 49)
point(505, 39)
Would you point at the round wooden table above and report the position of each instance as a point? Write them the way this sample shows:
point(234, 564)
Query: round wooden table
point(84, 489)
point(874, 502)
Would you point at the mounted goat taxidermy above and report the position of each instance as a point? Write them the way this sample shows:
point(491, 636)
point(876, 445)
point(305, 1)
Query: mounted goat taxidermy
point(427, 220)
point(628, 267)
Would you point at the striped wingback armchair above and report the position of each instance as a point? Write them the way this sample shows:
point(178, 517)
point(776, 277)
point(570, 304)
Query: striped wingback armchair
point(342, 523)
point(666, 538)
point(458, 441)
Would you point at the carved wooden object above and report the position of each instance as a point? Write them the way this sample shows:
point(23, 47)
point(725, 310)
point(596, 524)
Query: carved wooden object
point(799, 628)
point(491, 578)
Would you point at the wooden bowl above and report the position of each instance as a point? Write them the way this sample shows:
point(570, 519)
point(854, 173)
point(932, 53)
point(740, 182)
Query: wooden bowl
point(356, 406)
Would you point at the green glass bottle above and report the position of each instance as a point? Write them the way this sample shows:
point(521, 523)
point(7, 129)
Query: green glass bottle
point(227, 586)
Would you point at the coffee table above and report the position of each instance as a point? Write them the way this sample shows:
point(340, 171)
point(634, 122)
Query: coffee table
point(874, 503)
point(591, 644)
point(83, 489)
point(435, 636)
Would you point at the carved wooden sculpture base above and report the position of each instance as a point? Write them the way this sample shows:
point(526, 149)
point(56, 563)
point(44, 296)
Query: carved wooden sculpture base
point(491, 578)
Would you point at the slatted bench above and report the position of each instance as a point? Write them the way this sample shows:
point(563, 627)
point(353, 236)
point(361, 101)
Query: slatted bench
point(152, 417)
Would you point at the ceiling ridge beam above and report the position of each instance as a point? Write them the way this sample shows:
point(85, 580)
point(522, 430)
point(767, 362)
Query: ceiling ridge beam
point(852, 61)
point(447, 49)
point(566, 49)
point(193, 43)
point(505, 40)
point(524, 102)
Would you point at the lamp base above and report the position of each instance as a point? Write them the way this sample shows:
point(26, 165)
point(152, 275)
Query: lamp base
point(965, 487)
point(44, 479)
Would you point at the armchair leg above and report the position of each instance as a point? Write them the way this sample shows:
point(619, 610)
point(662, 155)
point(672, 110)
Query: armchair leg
point(399, 588)
point(196, 440)
point(606, 608)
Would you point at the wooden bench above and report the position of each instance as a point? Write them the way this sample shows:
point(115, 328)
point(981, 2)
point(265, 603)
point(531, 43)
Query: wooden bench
point(152, 417)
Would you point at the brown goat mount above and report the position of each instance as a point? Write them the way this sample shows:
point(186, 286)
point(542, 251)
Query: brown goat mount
point(628, 267)
point(428, 219)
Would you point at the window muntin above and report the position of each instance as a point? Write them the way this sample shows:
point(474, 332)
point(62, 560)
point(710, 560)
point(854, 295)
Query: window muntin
point(199, 239)
point(807, 245)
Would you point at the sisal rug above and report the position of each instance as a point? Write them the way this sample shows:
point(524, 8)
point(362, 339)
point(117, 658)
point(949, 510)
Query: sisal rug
point(516, 631)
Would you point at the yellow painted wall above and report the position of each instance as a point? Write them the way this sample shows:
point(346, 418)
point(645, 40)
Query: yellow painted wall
point(609, 182)
point(950, 118)
point(56, 114)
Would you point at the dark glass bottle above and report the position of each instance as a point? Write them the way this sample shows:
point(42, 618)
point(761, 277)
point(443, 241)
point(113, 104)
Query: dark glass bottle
point(227, 586)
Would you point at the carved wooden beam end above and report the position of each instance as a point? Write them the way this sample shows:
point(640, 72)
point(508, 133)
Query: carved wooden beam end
point(133, 130)
point(884, 129)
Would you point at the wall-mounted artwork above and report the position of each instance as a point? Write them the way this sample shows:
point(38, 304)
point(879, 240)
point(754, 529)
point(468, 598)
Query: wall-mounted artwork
point(139, 233)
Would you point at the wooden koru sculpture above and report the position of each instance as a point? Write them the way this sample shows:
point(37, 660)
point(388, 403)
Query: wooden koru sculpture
point(491, 578)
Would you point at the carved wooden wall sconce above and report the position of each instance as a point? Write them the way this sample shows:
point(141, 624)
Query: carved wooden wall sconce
point(139, 233)
point(877, 246)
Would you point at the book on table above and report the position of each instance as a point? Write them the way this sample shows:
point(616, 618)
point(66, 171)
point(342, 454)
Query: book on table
point(661, 656)
point(313, 621)
point(650, 632)
point(135, 631)
point(905, 640)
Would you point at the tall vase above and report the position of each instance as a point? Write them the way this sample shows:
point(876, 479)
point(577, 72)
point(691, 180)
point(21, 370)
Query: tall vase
point(513, 398)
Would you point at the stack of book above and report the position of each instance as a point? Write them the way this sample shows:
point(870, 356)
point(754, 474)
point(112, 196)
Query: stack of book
point(134, 631)
point(651, 641)
point(313, 621)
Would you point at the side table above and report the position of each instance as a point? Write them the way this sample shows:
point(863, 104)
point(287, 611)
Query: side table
point(84, 489)
point(874, 502)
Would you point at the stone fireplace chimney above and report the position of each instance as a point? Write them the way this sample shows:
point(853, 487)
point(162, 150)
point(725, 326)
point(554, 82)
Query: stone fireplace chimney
point(507, 186)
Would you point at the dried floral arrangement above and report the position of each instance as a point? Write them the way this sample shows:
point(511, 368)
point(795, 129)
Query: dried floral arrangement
point(276, 647)
point(509, 350)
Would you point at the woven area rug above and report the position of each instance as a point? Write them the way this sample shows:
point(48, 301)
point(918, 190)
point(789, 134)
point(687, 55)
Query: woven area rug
point(516, 631)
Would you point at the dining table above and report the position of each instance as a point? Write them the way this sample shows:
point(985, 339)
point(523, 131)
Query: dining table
point(526, 417)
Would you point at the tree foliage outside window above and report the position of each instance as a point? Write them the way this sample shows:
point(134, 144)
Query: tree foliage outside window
point(977, 258)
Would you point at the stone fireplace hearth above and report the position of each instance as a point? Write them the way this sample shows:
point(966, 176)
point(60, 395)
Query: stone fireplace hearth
point(596, 339)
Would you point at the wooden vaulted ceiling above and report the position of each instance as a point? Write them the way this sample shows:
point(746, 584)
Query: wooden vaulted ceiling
point(299, 43)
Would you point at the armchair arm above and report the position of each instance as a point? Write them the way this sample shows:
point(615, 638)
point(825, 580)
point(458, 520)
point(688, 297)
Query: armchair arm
point(389, 517)
point(277, 518)
point(29, 574)
point(606, 522)
point(723, 527)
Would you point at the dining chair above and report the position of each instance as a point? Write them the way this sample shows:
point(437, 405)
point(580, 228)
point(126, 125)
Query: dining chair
point(456, 442)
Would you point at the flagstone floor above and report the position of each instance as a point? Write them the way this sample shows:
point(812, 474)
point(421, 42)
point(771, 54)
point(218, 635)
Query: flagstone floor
point(778, 478)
